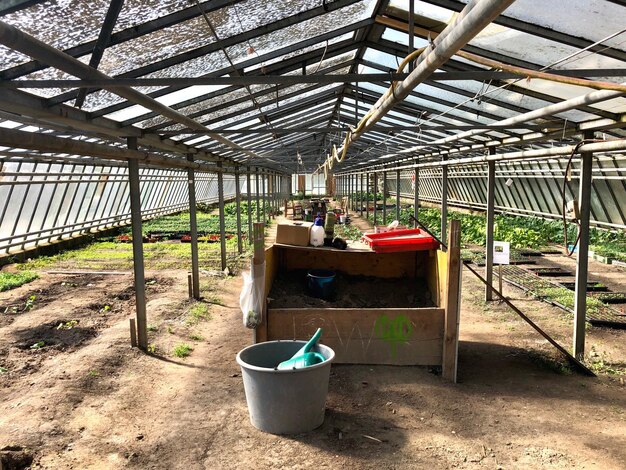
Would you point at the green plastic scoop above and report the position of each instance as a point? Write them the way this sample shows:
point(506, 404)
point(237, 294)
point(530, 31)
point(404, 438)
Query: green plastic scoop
point(304, 357)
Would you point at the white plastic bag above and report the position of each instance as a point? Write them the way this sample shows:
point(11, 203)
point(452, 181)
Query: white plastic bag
point(251, 297)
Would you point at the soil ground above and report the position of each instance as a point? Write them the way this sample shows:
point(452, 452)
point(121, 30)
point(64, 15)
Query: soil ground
point(85, 399)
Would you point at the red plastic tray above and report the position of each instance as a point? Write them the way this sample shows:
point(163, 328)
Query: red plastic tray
point(401, 240)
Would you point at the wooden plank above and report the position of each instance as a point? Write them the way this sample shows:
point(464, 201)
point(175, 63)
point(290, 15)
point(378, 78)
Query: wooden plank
point(357, 263)
point(396, 336)
point(259, 257)
point(453, 304)
point(442, 269)
point(133, 333)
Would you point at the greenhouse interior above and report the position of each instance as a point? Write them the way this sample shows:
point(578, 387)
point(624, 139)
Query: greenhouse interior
point(312, 233)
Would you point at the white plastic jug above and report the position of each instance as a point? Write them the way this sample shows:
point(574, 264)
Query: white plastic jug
point(317, 233)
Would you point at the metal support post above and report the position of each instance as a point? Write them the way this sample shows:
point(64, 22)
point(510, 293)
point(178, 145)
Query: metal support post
point(193, 229)
point(397, 194)
point(375, 191)
point(264, 187)
point(238, 205)
point(416, 195)
point(367, 196)
point(135, 214)
point(258, 202)
point(384, 198)
point(444, 201)
point(220, 194)
point(361, 195)
point(249, 198)
point(491, 198)
point(582, 258)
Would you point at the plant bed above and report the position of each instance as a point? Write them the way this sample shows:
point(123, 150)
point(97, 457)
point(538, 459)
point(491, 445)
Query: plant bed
point(610, 297)
point(550, 271)
point(591, 286)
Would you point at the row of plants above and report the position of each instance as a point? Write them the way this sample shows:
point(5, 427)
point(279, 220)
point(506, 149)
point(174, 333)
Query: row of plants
point(13, 280)
point(521, 232)
point(207, 221)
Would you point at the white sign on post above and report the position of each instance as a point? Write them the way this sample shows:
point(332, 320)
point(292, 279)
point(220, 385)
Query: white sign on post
point(501, 252)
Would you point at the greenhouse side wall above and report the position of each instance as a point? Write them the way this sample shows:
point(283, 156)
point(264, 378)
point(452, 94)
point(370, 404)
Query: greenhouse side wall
point(45, 203)
point(524, 188)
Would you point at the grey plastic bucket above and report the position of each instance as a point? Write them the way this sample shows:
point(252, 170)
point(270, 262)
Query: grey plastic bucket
point(284, 401)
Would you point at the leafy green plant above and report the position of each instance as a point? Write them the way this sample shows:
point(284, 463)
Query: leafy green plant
point(93, 373)
point(30, 302)
point(3, 370)
point(68, 325)
point(13, 280)
point(38, 345)
point(196, 337)
point(198, 311)
point(152, 349)
point(182, 350)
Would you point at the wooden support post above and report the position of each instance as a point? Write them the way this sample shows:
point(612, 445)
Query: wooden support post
point(140, 281)
point(133, 333)
point(416, 195)
point(444, 200)
point(500, 280)
point(452, 304)
point(190, 285)
point(238, 205)
point(397, 194)
point(582, 258)
point(491, 197)
point(220, 194)
point(193, 229)
point(384, 198)
point(249, 198)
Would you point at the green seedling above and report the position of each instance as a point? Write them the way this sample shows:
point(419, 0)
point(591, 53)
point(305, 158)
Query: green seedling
point(196, 337)
point(68, 325)
point(3, 370)
point(38, 345)
point(30, 303)
point(153, 328)
point(152, 348)
point(170, 330)
point(182, 350)
point(93, 373)
point(105, 309)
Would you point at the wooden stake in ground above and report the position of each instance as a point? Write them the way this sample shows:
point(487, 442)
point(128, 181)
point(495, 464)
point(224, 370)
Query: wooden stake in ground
point(453, 304)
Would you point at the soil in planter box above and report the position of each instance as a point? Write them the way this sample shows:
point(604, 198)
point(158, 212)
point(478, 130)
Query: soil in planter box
point(289, 290)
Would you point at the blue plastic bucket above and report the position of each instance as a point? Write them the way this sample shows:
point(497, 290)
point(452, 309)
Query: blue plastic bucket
point(321, 283)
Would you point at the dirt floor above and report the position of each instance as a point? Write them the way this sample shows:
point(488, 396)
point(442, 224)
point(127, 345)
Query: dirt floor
point(84, 399)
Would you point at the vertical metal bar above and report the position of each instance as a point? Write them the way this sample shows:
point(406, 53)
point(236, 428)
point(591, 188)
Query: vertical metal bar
point(135, 210)
point(398, 194)
point(220, 195)
point(491, 198)
point(367, 196)
point(258, 203)
point(264, 203)
point(375, 191)
point(384, 198)
point(582, 260)
point(249, 196)
point(193, 229)
point(416, 192)
point(238, 206)
point(361, 195)
point(444, 201)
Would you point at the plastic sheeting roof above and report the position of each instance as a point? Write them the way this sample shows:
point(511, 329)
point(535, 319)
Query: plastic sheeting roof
point(277, 122)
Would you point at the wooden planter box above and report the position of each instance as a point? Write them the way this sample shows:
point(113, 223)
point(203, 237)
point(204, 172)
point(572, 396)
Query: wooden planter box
point(397, 336)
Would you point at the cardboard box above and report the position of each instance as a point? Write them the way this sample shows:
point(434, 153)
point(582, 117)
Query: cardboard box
point(294, 233)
